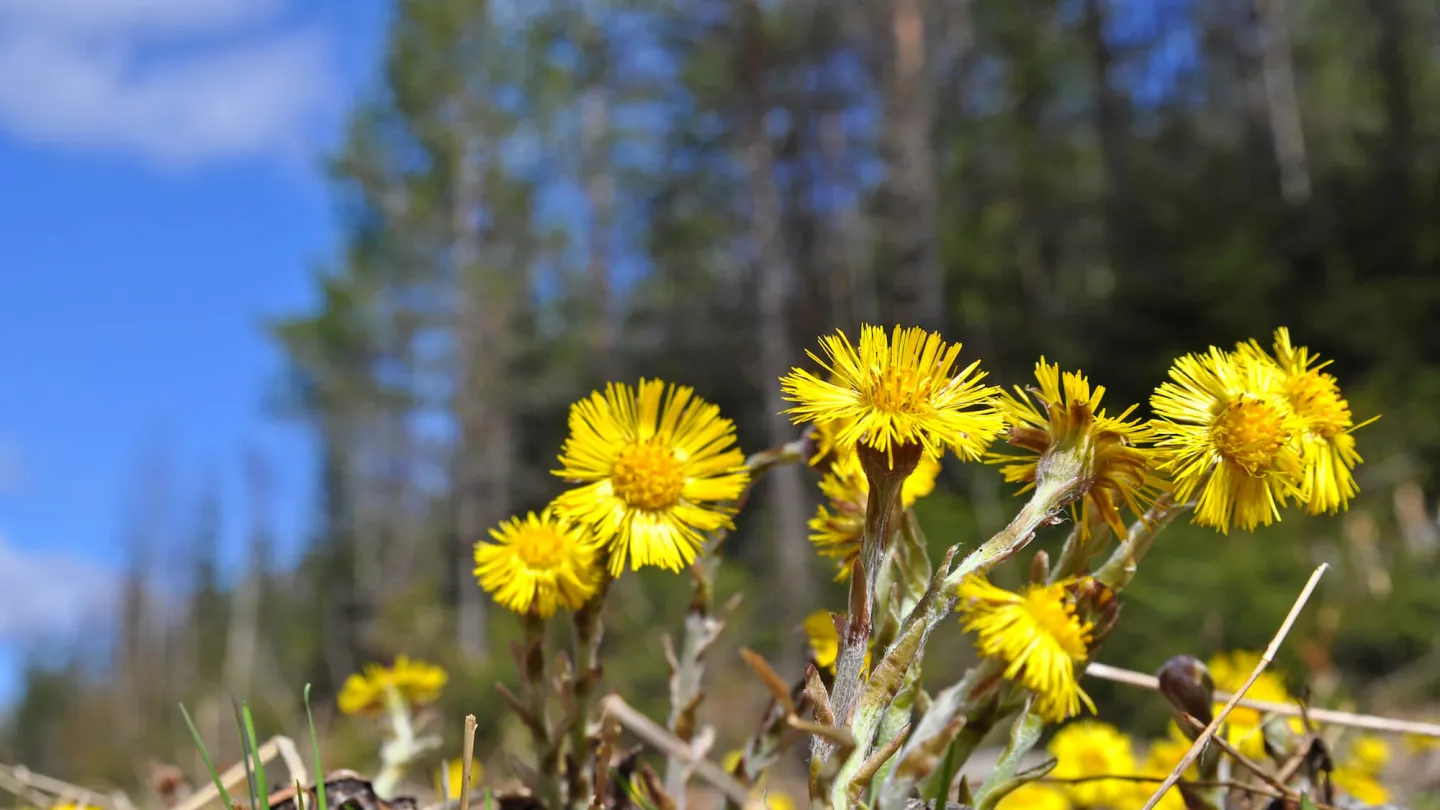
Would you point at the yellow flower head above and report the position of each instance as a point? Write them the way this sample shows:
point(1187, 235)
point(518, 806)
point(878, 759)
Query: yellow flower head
point(1160, 759)
point(1034, 796)
point(1360, 785)
point(73, 806)
point(414, 682)
point(900, 391)
point(824, 640)
point(770, 800)
point(1092, 748)
point(538, 563)
point(450, 779)
point(1064, 415)
point(1244, 726)
point(1224, 430)
point(1326, 442)
point(658, 466)
point(836, 530)
point(1370, 753)
point(1038, 636)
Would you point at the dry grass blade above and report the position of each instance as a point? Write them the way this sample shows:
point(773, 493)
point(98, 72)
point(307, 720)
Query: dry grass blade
point(467, 762)
point(1265, 659)
point(1369, 722)
point(671, 746)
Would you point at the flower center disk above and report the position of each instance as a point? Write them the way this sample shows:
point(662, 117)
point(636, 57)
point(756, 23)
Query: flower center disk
point(542, 549)
point(898, 390)
point(1250, 433)
point(648, 476)
point(1053, 617)
point(1316, 398)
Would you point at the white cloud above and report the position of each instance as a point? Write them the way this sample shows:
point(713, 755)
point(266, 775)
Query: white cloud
point(50, 594)
point(176, 81)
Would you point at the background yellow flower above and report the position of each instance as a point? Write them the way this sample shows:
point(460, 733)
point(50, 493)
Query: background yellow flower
point(538, 563)
point(657, 466)
point(416, 682)
point(1092, 748)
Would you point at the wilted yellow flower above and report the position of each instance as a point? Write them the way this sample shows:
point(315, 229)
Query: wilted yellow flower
point(1034, 796)
point(836, 529)
point(824, 640)
point(1224, 429)
point(1243, 726)
point(659, 467)
point(538, 563)
point(1038, 636)
point(1092, 748)
point(414, 682)
point(450, 781)
point(898, 391)
point(1326, 443)
point(1065, 415)
point(1360, 785)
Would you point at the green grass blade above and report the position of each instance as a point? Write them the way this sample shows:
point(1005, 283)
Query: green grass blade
point(247, 749)
point(315, 747)
point(205, 756)
point(255, 744)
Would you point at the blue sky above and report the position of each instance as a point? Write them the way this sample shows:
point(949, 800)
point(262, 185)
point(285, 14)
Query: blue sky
point(159, 197)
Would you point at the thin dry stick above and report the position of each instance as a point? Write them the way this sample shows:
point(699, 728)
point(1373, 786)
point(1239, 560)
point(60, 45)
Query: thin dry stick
point(656, 735)
point(1230, 705)
point(1332, 717)
point(468, 755)
point(1245, 762)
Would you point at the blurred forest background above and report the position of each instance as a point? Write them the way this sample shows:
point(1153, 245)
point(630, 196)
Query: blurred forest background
point(542, 196)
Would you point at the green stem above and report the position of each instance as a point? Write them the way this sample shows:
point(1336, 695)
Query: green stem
point(589, 629)
point(547, 750)
point(1120, 568)
point(850, 662)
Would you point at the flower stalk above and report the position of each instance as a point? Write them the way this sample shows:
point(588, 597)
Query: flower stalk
point(547, 749)
point(589, 630)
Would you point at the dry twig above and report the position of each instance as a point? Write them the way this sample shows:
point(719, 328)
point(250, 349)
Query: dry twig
point(657, 736)
point(1265, 659)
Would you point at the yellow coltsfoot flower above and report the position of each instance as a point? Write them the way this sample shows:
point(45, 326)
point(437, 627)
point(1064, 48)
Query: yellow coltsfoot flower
point(658, 467)
point(1225, 430)
point(1326, 441)
point(824, 640)
point(1034, 796)
point(416, 683)
point(1110, 465)
point(895, 392)
point(1160, 759)
point(837, 529)
point(450, 780)
point(1244, 726)
point(1037, 634)
point(1090, 748)
point(538, 563)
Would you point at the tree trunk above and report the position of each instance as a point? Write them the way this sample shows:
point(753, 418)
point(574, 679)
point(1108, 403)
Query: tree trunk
point(1286, 128)
point(776, 283)
point(908, 194)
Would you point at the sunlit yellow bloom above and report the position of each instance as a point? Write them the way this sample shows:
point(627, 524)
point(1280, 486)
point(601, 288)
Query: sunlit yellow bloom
point(73, 806)
point(1419, 743)
point(538, 563)
point(1326, 443)
point(1225, 430)
point(448, 782)
point(1160, 759)
point(1064, 415)
point(898, 391)
point(771, 800)
point(1034, 796)
point(1092, 748)
point(837, 527)
point(1360, 785)
point(824, 640)
point(1370, 753)
point(1038, 636)
point(659, 467)
point(1243, 726)
point(414, 682)
point(732, 759)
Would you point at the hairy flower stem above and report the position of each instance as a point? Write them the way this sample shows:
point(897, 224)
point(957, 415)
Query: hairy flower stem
point(547, 750)
point(1120, 568)
point(851, 659)
point(401, 749)
point(589, 630)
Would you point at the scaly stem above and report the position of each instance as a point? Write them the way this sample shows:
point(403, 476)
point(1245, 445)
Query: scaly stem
point(547, 750)
point(589, 630)
point(851, 659)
